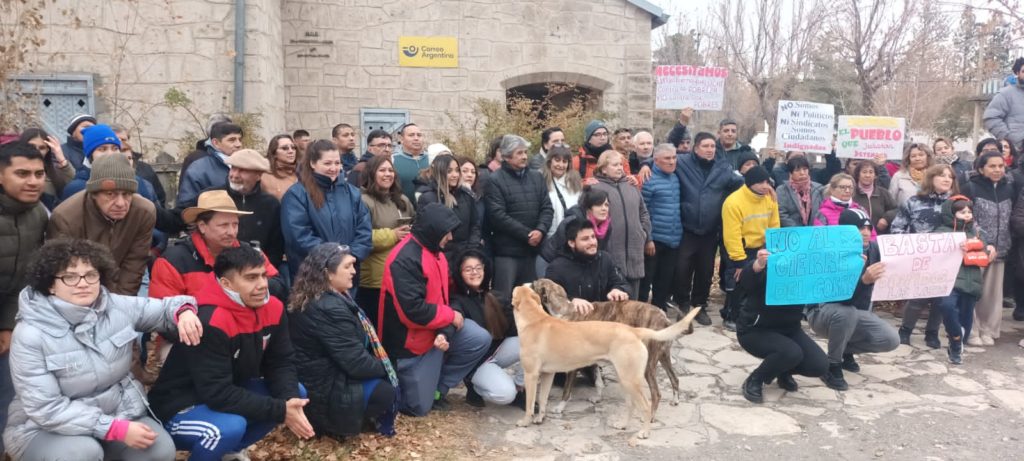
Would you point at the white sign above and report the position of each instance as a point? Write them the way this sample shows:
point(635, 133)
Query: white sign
point(805, 126)
point(679, 87)
point(918, 265)
point(865, 137)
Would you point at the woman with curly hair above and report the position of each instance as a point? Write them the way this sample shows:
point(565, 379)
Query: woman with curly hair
point(346, 372)
point(70, 357)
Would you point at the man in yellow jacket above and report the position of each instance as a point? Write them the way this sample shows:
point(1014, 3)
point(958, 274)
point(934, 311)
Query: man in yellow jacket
point(746, 215)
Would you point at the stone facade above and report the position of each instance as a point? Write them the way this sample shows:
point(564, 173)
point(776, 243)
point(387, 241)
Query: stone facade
point(314, 63)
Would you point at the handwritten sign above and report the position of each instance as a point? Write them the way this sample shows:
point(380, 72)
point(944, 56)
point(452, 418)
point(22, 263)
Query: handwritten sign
point(805, 126)
point(918, 265)
point(865, 137)
point(811, 265)
point(702, 88)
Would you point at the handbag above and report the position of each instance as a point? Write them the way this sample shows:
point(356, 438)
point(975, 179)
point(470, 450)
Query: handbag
point(974, 253)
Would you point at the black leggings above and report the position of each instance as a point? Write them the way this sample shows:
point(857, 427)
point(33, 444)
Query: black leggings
point(784, 352)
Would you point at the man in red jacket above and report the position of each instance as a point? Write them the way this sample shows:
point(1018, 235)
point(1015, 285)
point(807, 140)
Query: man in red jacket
point(433, 347)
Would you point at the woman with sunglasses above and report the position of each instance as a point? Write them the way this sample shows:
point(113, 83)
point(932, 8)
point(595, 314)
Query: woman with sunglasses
point(283, 155)
point(70, 357)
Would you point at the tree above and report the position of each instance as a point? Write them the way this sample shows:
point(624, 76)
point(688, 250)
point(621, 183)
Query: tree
point(20, 24)
point(879, 37)
point(965, 42)
point(766, 51)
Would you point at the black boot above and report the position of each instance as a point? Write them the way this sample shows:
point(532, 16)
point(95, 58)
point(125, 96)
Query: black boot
point(956, 350)
point(931, 339)
point(834, 378)
point(849, 364)
point(753, 388)
point(702, 317)
point(1018, 313)
point(472, 398)
point(904, 335)
point(787, 383)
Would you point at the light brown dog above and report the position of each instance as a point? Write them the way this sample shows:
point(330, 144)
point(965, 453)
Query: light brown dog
point(632, 313)
point(549, 345)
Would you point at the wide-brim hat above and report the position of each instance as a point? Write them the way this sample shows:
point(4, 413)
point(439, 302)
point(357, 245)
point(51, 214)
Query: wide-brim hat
point(213, 200)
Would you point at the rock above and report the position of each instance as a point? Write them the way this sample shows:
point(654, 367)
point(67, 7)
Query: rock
point(523, 435)
point(752, 421)
point(674, 437)
point(803, 410)
point(735, 358)
point(877, 395)
point(705, 339)
point(579, 444)
point(927, 368)
point(678, 416)
point(831, 427)
point(963, 384)
point(976, 402)
point(997, 379)
point(701, 369)
point(815, 393)
point(1011, 398)
point(883, 372)
point(688, 355)
point(734, 378)
point(694, 383)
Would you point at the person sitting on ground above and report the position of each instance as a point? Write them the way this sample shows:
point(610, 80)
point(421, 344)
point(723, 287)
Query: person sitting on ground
point(850, 326)
point(434, 346)
point(70, 357)
point(239, 383)
point(473, 298)
point(349, 377)
point(774, 334)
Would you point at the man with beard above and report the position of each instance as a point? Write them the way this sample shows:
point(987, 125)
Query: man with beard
point(587, 274)
point(263, 226)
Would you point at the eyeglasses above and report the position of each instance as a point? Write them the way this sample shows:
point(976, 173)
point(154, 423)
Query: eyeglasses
point(600, 134)
point(72, 280)
point(473, 270)
point(846, 188)
point(386, 146)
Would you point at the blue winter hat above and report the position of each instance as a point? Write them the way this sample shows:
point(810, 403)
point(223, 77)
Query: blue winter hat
point(96, 136)
point(593, 126)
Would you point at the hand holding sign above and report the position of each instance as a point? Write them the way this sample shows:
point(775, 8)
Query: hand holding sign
point(812, 264)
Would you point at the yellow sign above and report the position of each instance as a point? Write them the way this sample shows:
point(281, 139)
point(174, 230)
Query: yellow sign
point(428, 52)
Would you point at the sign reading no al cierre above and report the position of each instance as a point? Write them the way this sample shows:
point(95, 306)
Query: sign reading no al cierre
point(809, 265)
point(428, 52)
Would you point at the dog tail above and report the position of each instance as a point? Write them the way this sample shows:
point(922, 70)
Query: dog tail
point(671, 332)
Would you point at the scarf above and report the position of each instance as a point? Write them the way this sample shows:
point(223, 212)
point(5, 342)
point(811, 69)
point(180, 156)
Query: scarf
point(803, 194)
point(378, 348)
point(600, 228)
point(947, 160)
point(916, 175)
point(839, 202)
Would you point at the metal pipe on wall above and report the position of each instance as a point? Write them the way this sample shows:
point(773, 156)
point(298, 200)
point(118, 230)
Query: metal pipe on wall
point(239, 102)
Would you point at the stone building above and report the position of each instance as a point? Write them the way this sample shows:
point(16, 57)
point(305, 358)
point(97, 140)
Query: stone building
point(314, 63)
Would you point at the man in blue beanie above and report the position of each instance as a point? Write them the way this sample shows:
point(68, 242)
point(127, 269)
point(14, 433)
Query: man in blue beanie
point(100, 141)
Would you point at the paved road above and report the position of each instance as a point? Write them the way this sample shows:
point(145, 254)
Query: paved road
point(909, 404)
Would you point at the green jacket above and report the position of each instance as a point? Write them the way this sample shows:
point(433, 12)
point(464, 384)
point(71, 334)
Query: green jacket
point(22, 227)
point(969, 280)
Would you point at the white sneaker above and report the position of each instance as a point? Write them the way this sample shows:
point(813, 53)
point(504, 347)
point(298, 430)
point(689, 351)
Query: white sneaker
point(987, 340)
point(974, 341)
point(237, 456)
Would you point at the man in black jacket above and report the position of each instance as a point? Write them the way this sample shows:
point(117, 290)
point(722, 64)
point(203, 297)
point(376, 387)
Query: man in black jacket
point(586, 273)
point(239, 382)
point(264, 224)
point(142, 169)
point(519, 213)
point(850, 326)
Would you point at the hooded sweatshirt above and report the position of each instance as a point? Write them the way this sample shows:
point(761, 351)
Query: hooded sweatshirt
point(746, 216)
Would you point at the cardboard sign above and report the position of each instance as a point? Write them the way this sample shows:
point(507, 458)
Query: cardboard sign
point(678, 87)
point(805, 126)
point(865, 137)
point(810, 265)
point(428, 52)
point(918, 265)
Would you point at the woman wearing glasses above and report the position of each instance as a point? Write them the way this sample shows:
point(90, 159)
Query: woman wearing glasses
point(391, 215)
point(70, 358)
point(283, 157)
point(838, 197)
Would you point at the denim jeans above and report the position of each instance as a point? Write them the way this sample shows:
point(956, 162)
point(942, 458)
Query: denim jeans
point(958, 312)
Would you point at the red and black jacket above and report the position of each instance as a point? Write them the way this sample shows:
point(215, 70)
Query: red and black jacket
point(414, 292)
point(185, 268)
point(239, 343)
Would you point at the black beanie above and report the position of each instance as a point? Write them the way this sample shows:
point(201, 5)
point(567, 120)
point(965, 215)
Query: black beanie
point(746, 156)
point(756, 175)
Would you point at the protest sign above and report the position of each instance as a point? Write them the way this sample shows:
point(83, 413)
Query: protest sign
point(678, 87)
point(865, 137)
point(810, 265)
point(805, 126)
point(918, 265)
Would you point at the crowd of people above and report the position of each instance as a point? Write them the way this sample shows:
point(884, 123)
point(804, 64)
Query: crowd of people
point(388, 275)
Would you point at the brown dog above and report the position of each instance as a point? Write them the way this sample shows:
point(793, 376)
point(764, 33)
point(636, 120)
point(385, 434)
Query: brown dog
point(632, 313)
point(549, 345)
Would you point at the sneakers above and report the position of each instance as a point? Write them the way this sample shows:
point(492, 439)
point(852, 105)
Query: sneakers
point(975, 341)
point(703, 318)
point(729, 325)
point(931, 339)
point(237, 456)
point(753, 388)
point(834, 378)
point(904, 335)
point(987, 340)
point(955, 351)
point(441, 404)
point(787, 383)
point(849, 364)
point(673, 312)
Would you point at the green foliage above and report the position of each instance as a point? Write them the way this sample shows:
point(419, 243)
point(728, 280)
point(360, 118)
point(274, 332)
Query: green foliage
point(957, 118)
point(470, 136)
point(251, 123)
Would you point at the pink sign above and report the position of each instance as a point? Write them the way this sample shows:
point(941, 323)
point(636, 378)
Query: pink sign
point(918, 265)
point(678, 87)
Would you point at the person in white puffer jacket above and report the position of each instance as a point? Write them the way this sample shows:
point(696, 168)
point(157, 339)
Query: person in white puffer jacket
point(70, 358)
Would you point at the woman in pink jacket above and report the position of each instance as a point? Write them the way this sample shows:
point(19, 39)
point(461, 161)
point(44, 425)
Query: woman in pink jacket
point(839, 197)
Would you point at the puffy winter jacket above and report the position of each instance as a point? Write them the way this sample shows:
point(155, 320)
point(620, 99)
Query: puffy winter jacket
point(384, 216)
point(22, 227)
point(903, 187)
point(414, 301)
point(342, 219)
point(789, 204)
point(78, 183)
point(185, 268)
point(879, 205)
point(661, 196)
point(586, 277)
point(70, 365)
point(517, 203)
point(336, 357)
point(746, 216)
point(468, 232)
point(993, 204)
point(970, 278)
point(631, 223)
point(74, 152)
point(704, 191)
point(919, 215)
point(1004, 116)
point(207, 172)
